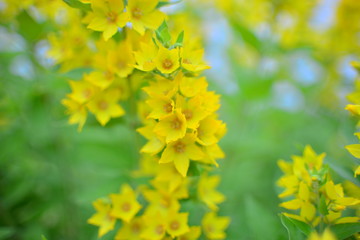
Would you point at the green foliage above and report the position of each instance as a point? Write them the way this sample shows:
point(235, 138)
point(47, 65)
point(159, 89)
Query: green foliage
point(345, 230)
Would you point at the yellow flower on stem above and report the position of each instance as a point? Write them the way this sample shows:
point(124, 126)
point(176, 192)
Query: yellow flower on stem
point(155, 226)
point(160, 107)
point(167, 61)
point(180, 152)
point(192, 60)
point(214, 226)
point(102, 218)
point(172, 127)
point(145, 56)
point(193, 234)
point(125, 205)
point(326, 235)
point(131, 230)
point(206, 132)
point(207, 192)
point(190, 86)
point(77, 112)
point(155, 143)
point(177, 224)
point(82, 91)
point(121, 60)
point(192, 110)
point(105, 106)
point(143, 14)
point(108, 16)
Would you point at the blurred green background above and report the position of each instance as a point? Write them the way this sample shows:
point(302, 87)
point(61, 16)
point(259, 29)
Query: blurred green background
point(275, 100)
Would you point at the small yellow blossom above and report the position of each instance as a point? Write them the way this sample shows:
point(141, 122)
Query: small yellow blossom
point(207, 193)
point(102, 218)
point(105, 106)
point(326, 235)
point(180, 152)
point(167, 61)
point(131, 230)
point(143, 14)
point(172, 127)
point(177, 224)
point(192, 60)
point(193, 234)
point(108, 16)
point(145, 56)
point(77, 112)
point(125, 205)
point(214, 226)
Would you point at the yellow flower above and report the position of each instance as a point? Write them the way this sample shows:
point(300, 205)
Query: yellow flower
point(161, 107)
point(307, 209)
point(177, 224)
point(82, 91)
point(155, 143)
point(326, 235)
point(100, 79)
point(121, 60)
point(167, 61)
point(207, 193)
point(131, 230)
point(145, 56)
point(143, 14)
point(105, 106)
point(77, 112)
point(125, 205)
point(193, 234)
point(172, 127)
point(214, 226)
point(102, 218)
point(180, 152)
point(161, 87)
point(108, 16)
point(190, 86)
point(192, 110)
point(357, 171)
point(206, 132)
point(155, 226)
point(354, 109)
point(192, 60)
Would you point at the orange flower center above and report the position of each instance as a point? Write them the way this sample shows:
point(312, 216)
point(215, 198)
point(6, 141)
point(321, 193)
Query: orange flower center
point(176, 124)
point(179, 147)
point(188, 114)
point(167, 64)
point(168, 108)
point(103, 105)
point(136, 228)
point(111, 17)
point(159, 229)
point(136, 13)
point(86, 93)
point(175, 225)
point(126, 207)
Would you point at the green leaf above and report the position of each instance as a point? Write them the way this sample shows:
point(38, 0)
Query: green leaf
point(78, 4)
point(161, 4)
point(345, 230)
point(162, 34)
point(293, 226)
point(43, 237)
point(322, 206)
point(193, 169)
point(6, 232)
point(179, 40)
point(246, 34)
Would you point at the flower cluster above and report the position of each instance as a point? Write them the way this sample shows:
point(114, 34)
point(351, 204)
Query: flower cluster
point(354, 108)
point(317, 198)
point(157, 71)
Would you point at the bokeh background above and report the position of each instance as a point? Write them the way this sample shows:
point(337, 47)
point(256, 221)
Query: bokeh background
point(282, 68)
